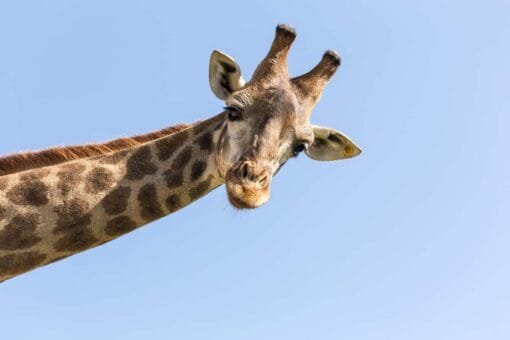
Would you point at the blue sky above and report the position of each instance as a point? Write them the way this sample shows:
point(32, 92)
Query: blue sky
point(407, 241)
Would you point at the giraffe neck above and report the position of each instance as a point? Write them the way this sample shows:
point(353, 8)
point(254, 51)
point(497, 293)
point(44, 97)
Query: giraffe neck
point(50, 213)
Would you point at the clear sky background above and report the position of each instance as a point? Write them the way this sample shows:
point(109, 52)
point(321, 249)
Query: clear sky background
point(408, 241)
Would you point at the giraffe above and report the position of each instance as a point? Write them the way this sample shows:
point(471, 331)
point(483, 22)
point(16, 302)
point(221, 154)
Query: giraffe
point(62, 201)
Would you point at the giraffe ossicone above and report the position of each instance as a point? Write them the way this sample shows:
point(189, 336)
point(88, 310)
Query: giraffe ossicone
point(58, 202)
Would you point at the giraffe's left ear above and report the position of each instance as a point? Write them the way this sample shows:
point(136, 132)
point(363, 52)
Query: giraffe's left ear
point(331, 145)
point(224, 75)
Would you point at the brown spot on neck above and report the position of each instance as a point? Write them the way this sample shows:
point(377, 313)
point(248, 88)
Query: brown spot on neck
point(20, 232)
point(29, 193)
point(201, 188)
point(72, 214)
point(182, 159)
point(119, 225)
point(116, 201)
point(140, 164)
point(78, 240)
point(173, 203)
point(168, 146)
point(205, 141)
point(150, 209)
point(69, 177)
point(14, 264)
point(197, 169)
point(174, 176)
point(173, 179)
point(98, 180)
point(72, 223)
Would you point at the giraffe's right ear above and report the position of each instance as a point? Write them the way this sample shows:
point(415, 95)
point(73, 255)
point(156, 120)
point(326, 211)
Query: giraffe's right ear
point(224, 75)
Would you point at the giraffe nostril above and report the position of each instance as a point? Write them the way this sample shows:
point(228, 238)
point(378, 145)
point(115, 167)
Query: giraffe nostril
point(263, 180)
point(247, 173)
point(244, 170)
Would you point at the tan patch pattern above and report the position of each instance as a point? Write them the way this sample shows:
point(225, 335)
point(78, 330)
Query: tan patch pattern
point(72, 215)
point(197, 169)
point(173, 179)
point(168, 146)
point(116, 201)
point(98, 180)
point(14, 264)
point(77, 240)
point(173, 203)
point(150, 209)
point(20, 232)
point(205, 142)
point(30, 160)
point(119, 225)
point(139, 164)
point(201, 188)
point(182, 159)
point(4, 182)
point(73, 221)
point(34, 174)
point(30, 192)
point(69, 177)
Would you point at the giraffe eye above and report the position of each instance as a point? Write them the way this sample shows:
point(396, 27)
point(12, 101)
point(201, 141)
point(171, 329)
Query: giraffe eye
point(299, 148)
point(233, 113)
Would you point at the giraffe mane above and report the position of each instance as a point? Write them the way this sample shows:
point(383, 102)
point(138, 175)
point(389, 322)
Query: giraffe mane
point(37, 159)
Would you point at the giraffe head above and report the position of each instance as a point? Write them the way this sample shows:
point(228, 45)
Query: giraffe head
point(267, 120)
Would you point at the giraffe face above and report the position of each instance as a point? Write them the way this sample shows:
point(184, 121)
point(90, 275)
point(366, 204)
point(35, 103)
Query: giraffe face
point(263, 128)
point(267, 120)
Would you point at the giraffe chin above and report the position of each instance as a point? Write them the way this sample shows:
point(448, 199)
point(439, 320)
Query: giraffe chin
point(246, 195)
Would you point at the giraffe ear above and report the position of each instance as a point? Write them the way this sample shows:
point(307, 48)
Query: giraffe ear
point(331, 145)
point(224, 75)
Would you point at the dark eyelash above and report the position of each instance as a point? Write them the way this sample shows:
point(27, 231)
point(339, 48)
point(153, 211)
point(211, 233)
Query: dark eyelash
point(233, 113)
point(231, 108)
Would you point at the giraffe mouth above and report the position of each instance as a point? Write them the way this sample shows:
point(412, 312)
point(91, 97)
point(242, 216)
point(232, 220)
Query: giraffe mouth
point(244, 194)
point(245, 198)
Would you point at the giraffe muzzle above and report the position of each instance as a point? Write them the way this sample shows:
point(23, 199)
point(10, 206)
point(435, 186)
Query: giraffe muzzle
point(248, 184)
